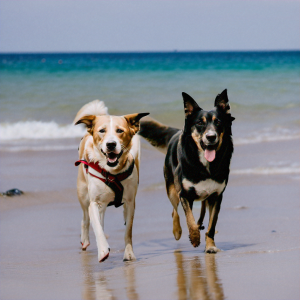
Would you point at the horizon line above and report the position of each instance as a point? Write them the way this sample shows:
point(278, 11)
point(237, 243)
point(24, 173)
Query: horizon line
point(146, 52)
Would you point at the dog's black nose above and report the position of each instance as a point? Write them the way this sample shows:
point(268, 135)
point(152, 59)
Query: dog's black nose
point(211, 137)
point(111, 145)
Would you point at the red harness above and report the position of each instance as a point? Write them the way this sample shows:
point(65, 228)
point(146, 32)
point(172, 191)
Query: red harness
point(113, 181)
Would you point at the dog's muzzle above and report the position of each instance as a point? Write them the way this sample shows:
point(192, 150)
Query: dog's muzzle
point(112, 158)
point(211, 137)
point(209, 144)
point(111, 146)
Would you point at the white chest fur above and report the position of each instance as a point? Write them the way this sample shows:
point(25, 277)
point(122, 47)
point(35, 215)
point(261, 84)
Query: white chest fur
point(204, 188)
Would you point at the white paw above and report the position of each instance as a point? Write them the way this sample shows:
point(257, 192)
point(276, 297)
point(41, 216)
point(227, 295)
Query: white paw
point(84, 245)
point(103, 255)
point(128, 254)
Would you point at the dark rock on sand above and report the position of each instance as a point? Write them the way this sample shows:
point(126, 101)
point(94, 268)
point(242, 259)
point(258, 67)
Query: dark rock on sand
point(13, 192)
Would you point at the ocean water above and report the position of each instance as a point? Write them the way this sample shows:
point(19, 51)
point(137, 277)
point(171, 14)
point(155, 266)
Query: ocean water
point(40, 94)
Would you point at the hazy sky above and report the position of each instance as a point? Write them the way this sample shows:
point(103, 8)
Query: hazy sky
point(148, 25)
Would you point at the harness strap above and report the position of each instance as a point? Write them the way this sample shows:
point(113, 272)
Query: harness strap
point(112, 181)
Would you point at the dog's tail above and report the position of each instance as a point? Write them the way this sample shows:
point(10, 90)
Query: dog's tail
point(157, 134)
point(93, 108)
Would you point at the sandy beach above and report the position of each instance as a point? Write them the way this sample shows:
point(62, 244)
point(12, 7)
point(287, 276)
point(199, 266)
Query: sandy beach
point(258, 233)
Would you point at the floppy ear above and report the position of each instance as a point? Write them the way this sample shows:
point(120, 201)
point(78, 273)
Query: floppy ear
point(222, 102)
point(133, 121)
point(88, 121)
point(190, 104)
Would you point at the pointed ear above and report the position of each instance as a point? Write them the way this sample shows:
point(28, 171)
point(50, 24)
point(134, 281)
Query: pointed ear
point(222, 102)
point(133, 121)
point(88, 121)
point(190, 104)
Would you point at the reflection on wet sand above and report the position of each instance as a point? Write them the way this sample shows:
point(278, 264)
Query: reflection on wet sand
point(95, 284)
point(129, 274)
point(203, 283)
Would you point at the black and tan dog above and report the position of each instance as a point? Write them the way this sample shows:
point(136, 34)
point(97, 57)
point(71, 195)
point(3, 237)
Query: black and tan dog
point(197, 163)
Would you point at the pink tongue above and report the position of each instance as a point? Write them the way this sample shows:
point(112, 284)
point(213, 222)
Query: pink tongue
point(112, 160)
point(210, 155)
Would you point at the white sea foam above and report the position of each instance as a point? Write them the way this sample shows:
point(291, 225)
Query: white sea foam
point(29, 131)
point(38, 130)
point(19, 148)
point(268, 170)
point(269, 135)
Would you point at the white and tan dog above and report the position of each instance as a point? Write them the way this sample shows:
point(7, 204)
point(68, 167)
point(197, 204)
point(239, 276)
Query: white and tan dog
point(108, 172)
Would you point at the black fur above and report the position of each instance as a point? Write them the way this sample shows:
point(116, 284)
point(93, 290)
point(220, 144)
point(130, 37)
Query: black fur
point(201, 131)
point(157, 134)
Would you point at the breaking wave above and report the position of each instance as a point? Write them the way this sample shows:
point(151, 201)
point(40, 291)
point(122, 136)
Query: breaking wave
point(38, 130)
point(293, 169)
point(269, 135)
point(21, 135)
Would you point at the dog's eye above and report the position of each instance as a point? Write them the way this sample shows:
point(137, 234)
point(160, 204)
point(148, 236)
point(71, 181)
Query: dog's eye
point(200, 123)
point(102, 130)
point(217, 122)
point(119, 130)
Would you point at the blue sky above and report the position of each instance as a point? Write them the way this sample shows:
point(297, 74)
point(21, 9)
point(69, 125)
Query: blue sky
point(140, 25)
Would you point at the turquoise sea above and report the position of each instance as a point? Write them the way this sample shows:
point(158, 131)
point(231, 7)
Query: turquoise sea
point(41, 93)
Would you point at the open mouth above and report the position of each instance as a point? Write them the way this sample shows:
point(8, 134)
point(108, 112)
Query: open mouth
point(112, 158)
point(209, 151)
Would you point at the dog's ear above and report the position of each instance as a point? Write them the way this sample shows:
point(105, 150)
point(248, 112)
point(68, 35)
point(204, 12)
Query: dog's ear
point(222, 102)
point(190, 104)
point(133, 121)
point(88, 121)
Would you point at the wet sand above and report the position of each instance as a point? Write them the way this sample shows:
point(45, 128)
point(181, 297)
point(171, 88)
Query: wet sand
point(258, 233)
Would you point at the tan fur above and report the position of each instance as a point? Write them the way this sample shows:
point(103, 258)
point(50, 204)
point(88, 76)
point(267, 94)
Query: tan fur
point(174, 198)
point(210, 246)
point(220, 141)
point(196, 137)
point(93, 194)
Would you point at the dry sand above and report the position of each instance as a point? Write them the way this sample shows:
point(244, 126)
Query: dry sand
point(41, 258)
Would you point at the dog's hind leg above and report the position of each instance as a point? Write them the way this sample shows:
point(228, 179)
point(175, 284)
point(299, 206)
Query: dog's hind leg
point(173, 196)
point(97, 223)
point(202, 215)
point(214, 205)
point(85, 225)
point(129, 208)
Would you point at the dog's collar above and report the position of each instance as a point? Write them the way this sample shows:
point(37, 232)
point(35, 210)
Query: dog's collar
point(113, 181)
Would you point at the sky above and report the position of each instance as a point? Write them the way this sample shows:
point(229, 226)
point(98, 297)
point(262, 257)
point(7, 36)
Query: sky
point(148, 25)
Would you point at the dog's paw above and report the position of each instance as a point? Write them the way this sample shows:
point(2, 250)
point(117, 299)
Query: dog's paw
point(212, 249)
point(103, 255)
point(84, 245)
point(128, 254)
point(177, 234)
point(129, 257)
point(194, 237)
point(104, 258)
point(177, 231)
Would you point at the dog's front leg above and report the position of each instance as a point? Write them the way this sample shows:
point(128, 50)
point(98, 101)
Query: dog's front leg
point(97, 224)
point(214, 205)
point(129, 208)
point(190, 220)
